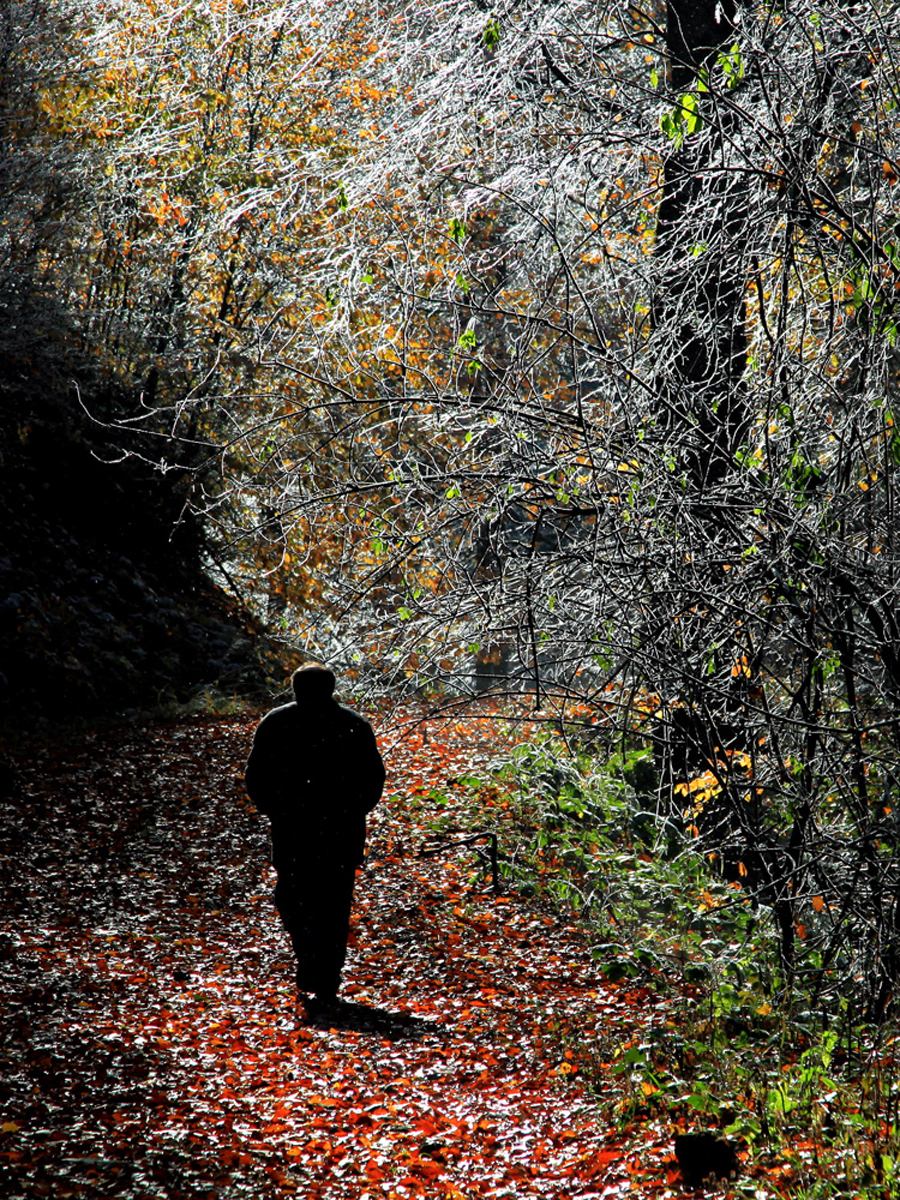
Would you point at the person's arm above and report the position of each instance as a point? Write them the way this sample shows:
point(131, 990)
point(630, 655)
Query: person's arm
point(371, 769)
point(260, 774)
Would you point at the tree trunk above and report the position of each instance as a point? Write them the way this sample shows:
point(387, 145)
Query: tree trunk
point(699, 309)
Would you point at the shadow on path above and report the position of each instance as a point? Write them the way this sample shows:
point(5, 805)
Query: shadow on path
point(361, 1018)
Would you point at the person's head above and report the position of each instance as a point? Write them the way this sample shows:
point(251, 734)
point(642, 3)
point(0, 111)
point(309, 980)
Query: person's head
point(312, 683)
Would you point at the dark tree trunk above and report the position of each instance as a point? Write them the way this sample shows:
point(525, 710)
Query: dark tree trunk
point(699, 309)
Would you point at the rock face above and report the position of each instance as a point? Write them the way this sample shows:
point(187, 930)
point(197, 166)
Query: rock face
point(104, 606)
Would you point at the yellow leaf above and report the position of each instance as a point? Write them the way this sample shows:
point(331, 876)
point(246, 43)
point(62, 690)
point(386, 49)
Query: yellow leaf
point(9, 1127)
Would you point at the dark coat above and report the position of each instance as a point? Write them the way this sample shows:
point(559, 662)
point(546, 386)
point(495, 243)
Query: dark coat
point(315, 771)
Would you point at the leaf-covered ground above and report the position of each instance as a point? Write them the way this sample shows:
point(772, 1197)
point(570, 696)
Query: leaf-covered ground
point(152, 1044)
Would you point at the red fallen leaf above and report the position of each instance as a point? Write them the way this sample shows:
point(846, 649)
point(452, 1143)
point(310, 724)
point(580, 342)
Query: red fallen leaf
point(607, 1156)
point(425, 1168)
point(358, 1118)
point(318, 1146)
point(426, 1125)
point(411, 1184)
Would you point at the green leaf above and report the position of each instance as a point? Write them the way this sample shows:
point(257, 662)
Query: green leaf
point(491, 35)
point(457, 229)
point(732, 64)
point(670, 124)
point(690, 105)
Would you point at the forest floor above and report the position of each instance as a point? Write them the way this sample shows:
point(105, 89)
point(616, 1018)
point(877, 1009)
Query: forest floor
point(152, 1044)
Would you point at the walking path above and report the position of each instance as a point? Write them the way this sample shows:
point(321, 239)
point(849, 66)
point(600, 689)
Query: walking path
point(152, 1045)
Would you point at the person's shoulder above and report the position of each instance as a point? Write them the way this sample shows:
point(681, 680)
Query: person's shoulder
point(281, 715)
point(352, 719)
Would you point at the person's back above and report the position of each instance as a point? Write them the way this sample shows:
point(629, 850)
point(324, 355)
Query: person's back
point(315, 771)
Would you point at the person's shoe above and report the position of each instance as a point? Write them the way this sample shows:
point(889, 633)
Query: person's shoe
point(322, 1003)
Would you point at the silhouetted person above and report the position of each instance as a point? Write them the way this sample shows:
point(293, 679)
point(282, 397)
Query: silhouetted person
point(315, 771)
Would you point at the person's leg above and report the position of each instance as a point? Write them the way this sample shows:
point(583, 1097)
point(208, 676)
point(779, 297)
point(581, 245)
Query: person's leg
point(315, 908)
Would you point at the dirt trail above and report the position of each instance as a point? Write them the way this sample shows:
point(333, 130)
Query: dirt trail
point(152, 1045)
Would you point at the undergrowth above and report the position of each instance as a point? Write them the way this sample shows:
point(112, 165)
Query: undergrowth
point(811, 1092)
